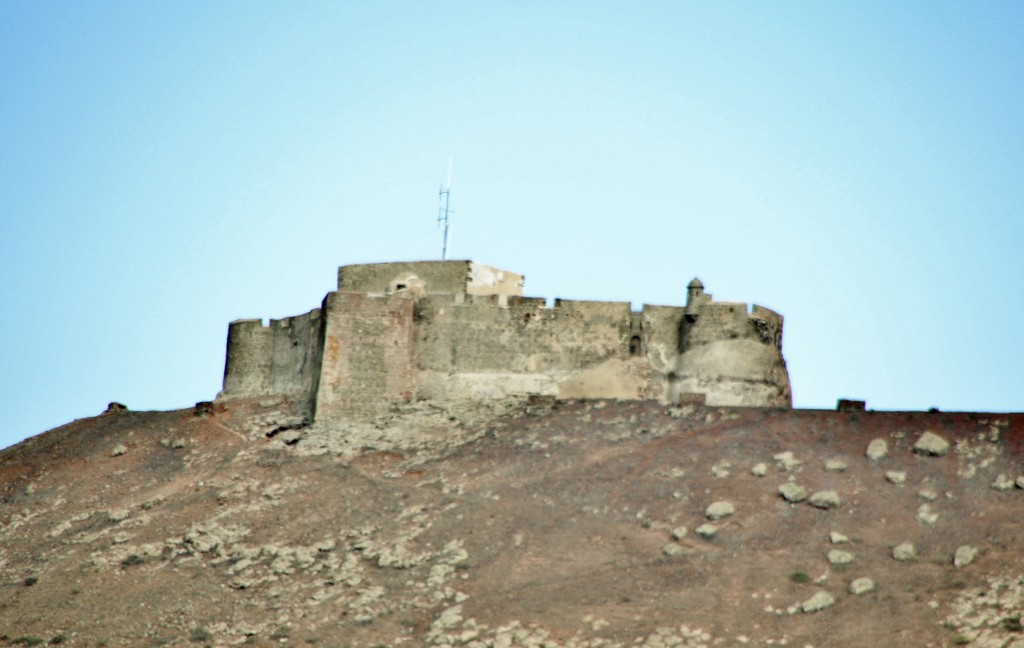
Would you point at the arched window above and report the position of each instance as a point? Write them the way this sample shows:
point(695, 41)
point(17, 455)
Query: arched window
point(635, 345)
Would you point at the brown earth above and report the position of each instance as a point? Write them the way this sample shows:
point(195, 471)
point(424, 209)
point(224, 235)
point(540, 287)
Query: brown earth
point(513, 525)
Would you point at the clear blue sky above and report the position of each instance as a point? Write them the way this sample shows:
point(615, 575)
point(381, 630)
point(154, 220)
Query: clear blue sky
point(167, 167)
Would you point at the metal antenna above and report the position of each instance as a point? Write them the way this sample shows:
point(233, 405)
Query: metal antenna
point(444, 195)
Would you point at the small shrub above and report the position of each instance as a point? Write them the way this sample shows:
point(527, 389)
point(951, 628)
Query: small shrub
point(28, 641)
point(800, 577)
point(59, 639)
point(1012, 624)
point(961, 640)
point(200, 634)
point(30, 581)
point(132, 559)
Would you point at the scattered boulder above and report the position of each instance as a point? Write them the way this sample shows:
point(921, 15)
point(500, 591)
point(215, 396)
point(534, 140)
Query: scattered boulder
point(964, 556)
point(819, 601)
point(877, 449)
point(825, 499)
point(837, 557)
point(706, 531)
point(926, 515)
point(679, 533)
point(931, 444)
point(1002, 483)
point(672, 549)
point(116, 407)
point(760, 469)
point(927, 494)
point(118, 450)
point(721, 469)
point(719, 510)
point(837, 538)
point(450, 617)
point(792, 492)
point(786, 461)
point(861, 585)
point(118, 515)
point(835, 465)
point(1019, 481)
point(896, 476)
point(904, 551)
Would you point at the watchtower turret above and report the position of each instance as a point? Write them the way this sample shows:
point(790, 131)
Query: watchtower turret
point(730, 353)
point(695, 295)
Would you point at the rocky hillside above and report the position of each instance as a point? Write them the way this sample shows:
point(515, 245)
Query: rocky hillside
point(580, 524)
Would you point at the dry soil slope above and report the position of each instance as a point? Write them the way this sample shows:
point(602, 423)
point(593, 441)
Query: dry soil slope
point(528, 526)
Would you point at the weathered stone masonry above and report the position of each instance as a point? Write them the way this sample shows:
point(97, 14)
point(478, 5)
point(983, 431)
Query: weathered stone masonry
point(457, 330)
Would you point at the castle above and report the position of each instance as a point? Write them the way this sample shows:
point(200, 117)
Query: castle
point(456, 330)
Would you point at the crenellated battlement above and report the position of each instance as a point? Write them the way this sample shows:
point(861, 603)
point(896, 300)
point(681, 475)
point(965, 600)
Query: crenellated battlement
point(453, 330)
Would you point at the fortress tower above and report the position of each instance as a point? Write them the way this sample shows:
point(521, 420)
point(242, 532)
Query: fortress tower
point(456, 330)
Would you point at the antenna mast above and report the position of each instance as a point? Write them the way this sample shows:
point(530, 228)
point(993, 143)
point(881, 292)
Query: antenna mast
point(443, 196)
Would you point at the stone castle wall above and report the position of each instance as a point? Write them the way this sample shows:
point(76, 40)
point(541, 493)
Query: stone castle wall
point(477, 348)
point(282, 358)
point(451, 330)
